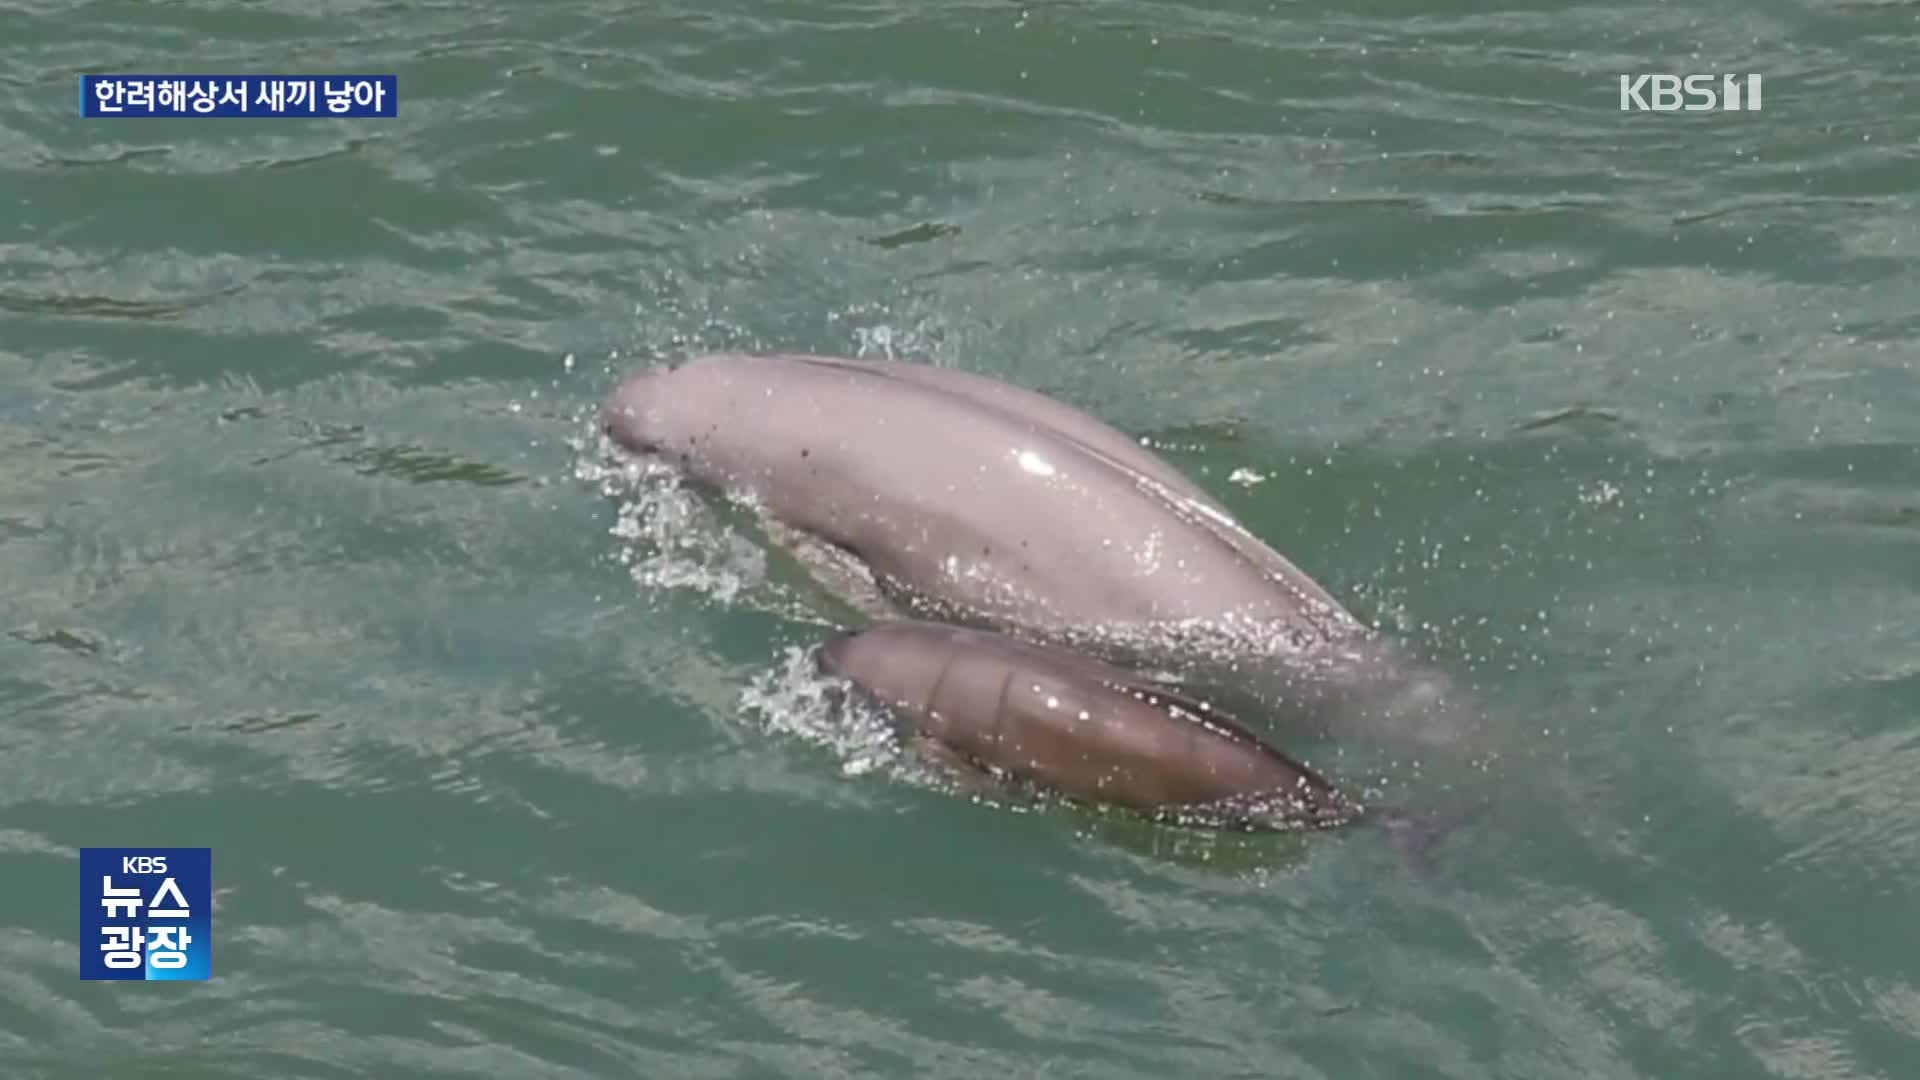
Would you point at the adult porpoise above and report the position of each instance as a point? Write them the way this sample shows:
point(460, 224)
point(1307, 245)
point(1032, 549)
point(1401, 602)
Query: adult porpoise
point(984, 503)
point(1063, 722)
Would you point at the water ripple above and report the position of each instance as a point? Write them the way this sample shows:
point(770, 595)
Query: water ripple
point(1616, 412)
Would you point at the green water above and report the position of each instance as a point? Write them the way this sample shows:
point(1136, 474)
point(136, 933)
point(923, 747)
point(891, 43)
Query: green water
point(306, 555)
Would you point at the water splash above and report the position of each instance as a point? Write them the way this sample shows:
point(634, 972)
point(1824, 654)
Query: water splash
point(669, 537)
point(793, 699)
point(875, 335)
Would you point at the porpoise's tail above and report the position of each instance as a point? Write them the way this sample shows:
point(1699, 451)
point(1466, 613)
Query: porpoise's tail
point(1414, 833)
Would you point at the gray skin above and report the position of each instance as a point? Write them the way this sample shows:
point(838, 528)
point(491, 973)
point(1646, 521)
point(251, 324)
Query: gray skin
point(975, 501)
point(1038, 410)
point(1061, 721)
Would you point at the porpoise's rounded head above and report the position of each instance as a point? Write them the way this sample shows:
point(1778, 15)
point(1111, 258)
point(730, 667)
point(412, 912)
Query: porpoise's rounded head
point(900, 663)
point(631, 416)
point(835, 653)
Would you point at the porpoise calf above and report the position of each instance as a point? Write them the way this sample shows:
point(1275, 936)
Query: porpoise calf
point(1078, 727)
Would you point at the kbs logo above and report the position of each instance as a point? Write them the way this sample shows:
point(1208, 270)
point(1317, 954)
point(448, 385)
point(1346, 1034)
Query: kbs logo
point(1690, 93)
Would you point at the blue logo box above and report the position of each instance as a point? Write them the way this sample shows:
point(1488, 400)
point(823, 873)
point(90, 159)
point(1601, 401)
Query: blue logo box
point(239, 95)
point(146, 913)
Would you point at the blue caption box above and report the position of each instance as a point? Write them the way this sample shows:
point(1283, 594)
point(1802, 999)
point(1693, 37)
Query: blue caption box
point(103, 96)
point(146, 913)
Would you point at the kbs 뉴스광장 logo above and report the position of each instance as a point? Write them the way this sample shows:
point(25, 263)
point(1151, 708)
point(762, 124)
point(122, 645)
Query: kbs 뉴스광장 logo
point(146, 913)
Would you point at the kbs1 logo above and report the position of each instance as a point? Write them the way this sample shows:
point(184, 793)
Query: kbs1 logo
point(146, 913)
point(1689, 93)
